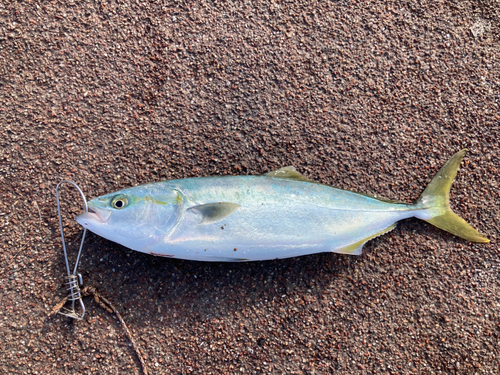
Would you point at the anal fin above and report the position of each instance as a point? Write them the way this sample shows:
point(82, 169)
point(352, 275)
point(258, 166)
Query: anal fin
point(357, 247)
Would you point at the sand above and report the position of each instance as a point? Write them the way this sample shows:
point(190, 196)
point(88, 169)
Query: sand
point(370, 96)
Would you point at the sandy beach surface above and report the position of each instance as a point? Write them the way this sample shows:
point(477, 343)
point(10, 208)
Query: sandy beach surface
point(371, 96)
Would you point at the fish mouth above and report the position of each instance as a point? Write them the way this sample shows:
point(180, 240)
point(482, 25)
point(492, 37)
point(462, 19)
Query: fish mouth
point(94, 215)
point(103, 214)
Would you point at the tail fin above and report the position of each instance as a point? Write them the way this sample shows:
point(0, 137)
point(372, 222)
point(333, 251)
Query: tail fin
point(436, 196)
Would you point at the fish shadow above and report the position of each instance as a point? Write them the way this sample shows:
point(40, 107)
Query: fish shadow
point(145, 287)
point(170, 295)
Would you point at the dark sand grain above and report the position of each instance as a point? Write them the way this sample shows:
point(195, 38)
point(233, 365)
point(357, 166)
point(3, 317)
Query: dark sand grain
point(372, 96)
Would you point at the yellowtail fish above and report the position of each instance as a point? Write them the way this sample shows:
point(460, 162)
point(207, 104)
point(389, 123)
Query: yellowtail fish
point(280, 214)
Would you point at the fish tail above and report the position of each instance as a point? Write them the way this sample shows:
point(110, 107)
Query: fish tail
point(436, 197)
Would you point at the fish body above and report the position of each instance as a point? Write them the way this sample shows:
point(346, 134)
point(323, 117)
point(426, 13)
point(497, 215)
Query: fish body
point(246, 218)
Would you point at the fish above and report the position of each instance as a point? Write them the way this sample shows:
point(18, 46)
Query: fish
point(280, 214)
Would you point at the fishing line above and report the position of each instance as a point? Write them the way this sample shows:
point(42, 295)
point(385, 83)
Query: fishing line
point(74, 279)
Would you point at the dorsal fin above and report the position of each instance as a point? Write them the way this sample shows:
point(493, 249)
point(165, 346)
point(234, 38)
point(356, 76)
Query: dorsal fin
point(289, 173)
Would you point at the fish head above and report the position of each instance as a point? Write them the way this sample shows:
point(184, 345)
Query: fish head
point(136, 218)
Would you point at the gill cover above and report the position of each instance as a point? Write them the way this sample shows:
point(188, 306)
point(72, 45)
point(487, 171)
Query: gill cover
point(135, 217)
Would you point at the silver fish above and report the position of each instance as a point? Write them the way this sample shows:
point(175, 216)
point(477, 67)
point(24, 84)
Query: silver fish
point(277, 215)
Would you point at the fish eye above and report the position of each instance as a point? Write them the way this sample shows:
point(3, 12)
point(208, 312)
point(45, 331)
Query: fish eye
point(119, 202)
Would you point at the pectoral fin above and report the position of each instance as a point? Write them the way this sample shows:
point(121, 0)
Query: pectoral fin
point(213, 212)
point(288, 173)
point(357, 247)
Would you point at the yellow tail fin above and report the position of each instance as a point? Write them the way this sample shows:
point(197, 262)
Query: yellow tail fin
point(436, 196)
